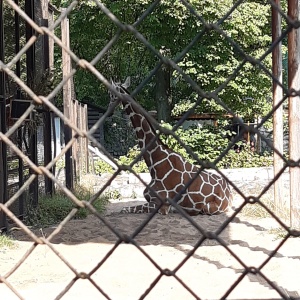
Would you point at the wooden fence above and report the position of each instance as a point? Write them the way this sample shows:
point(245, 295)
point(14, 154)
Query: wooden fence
point(80, 159)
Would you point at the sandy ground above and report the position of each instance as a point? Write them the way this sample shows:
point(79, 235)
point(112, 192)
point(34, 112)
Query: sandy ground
point(128, 272)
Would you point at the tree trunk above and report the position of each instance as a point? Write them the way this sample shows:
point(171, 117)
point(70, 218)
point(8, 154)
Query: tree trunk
point(163, 96)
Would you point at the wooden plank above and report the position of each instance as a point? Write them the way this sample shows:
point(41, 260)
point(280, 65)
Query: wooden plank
point(205, 116)
point(86, 142)
point(278, 114)
point(51, 41)
point(294, 112)
point(81, 141)
point(75, 145)
point(67, 98)
point(47, 150)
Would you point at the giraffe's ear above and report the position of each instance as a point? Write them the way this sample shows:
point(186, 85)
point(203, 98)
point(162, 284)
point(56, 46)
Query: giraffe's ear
point(126, 84)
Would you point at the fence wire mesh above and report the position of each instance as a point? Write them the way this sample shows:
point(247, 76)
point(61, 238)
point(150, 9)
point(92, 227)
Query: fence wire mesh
point(203, 236)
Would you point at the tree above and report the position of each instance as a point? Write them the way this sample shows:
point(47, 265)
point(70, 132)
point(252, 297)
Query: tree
point(214, 59)
point(170, 28)
point(163, 96)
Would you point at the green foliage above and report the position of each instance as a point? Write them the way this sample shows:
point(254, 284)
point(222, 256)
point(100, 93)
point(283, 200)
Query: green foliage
point(52, 210)
point(245, 159)
point(6, 241)
point(113, 194)
point(206, 144)
point(169, 29)
point(138, 167)
point(214, 59)
point(102, 167)
point(209, 142)
point(183, 106)
point(61, 163)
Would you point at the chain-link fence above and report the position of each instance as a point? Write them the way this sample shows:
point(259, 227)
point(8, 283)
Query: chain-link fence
point(184, 277)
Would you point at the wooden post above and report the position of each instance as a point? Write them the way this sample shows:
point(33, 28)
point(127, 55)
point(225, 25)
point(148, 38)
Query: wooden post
point(278, 114)
point(31, 74)
point(294, 112)
point(3, 150)
point(75, 107)
point(51, 41)
point(67, 98)
point(47, 115)
point(79, 147)
point(81, 141)
point(248, 134)
point(86, 141)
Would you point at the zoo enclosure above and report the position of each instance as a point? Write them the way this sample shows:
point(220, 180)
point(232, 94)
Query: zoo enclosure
point(46, 30)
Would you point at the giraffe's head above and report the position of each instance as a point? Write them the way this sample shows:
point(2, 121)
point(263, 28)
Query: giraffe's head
point(120, 88)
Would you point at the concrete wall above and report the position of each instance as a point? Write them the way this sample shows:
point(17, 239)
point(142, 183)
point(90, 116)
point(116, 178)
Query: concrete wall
point(249, 180)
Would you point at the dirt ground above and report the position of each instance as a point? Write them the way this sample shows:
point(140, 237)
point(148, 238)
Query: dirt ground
point(128, 271)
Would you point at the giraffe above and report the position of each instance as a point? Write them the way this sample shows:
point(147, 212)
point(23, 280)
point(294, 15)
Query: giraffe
point(209, 193)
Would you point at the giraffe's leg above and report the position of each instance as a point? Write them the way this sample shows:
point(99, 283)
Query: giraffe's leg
point(139, 209)
point(192, 213)
point(214, 207)
point(158, 198)
point(148, 207)
point(154, 201)
point(164, 209)
point(210, 209)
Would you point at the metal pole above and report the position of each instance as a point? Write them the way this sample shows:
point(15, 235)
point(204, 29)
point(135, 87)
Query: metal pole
point(278, 114)
point(294, 112)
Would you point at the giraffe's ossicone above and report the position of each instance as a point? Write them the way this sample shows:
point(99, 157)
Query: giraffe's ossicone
point(173, 178)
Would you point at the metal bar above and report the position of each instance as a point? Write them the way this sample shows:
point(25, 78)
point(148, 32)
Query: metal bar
point(294, 112)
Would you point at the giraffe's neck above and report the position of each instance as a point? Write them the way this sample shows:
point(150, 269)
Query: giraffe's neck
point(145, 133)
